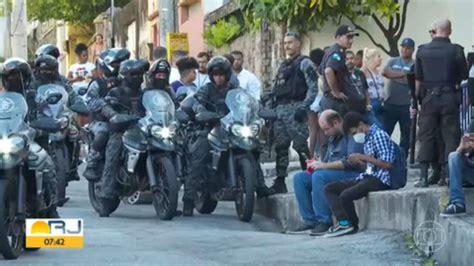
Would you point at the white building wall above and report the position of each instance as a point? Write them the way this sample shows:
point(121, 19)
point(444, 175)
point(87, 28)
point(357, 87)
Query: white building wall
point(420, 15)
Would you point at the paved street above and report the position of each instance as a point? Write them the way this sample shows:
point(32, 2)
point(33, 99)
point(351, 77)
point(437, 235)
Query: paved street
point(133, 235)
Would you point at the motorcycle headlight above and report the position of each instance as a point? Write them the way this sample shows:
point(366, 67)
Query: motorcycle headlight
point(12, 145)
point(162, 132)
point(63, 122)
point(245, 131)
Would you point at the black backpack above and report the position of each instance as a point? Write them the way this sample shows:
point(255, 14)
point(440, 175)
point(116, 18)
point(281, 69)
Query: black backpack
point(398, 172)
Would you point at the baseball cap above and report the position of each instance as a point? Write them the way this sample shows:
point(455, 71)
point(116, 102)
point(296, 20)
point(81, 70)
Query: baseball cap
point(408, 42)
point(345, 30)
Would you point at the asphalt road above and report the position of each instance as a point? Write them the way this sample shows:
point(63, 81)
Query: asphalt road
point(133, 235)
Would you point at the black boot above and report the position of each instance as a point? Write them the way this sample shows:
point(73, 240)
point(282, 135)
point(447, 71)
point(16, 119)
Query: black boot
point(263, 192)
point(188, 208)
point(443, 176)
point(436, 175)
point(92, 172)
point(279, 186)
point(423, 175)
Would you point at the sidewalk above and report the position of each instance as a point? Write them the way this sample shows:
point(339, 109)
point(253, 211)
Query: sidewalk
point(401, 210)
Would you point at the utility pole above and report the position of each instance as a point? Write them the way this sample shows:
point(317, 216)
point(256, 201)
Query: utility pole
point(7, 41)
point(112, 7)
point(167, 15)
point(18, 29)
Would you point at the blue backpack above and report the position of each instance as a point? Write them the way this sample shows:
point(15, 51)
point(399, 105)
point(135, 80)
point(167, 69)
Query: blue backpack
point(398, 172)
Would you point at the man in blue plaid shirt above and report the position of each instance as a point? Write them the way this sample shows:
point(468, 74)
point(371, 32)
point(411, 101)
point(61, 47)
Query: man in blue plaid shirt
point(379, 155)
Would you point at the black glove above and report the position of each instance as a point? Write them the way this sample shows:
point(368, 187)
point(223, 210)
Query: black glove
point(300, 115)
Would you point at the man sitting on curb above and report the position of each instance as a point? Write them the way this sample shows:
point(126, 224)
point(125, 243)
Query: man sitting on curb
point(461, 168)
point(379, 155)
point(309, 188)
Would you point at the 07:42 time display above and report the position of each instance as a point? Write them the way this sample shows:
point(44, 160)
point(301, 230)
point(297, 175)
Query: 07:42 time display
point(56, 241)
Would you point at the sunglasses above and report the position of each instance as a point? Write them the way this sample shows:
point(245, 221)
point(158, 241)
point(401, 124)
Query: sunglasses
point(431, 31)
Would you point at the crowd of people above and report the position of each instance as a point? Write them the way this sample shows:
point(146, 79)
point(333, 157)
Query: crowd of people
point(337, 108)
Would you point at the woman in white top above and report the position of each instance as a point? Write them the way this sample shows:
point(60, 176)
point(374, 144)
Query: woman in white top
point(372, 60)
point(80, 73)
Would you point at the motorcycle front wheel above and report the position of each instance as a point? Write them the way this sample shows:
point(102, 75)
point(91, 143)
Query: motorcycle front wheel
point(62, 161)
point(12, 229)
point(101, 205)
point(165, 195)
point(245, 197)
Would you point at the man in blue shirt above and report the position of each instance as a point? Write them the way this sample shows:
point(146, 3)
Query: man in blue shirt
point(397, 102)
point(379, 155)
point(461, 168)
point(309, 188)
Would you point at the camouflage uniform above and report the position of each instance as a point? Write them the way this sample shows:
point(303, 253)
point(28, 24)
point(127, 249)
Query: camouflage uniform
point(286, 129)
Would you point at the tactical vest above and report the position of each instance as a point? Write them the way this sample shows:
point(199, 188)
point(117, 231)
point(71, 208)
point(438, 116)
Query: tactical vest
point(439, 65)
point(217, 100)
point(290, 83)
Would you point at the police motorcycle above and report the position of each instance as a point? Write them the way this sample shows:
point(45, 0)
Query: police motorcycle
point(54, 120)
point(148, 158)
point(232, 172)
point(21, 189)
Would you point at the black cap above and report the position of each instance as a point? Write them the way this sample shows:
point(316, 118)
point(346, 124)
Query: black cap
point(346, 30)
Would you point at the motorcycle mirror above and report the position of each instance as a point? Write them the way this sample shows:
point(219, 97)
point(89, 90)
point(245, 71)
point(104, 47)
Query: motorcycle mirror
point(54, 98)
point(79, 108)
point(268, 114)
point(82, 91)
point(207, 117)
point(182, 117)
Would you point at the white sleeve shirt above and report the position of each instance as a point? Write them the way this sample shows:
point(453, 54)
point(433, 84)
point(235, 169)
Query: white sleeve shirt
point(250, 83)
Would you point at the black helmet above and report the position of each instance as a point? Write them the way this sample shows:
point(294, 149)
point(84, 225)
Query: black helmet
point(16, 74)
point(46, 68)
point(109, 60)
point(48, 49)
point(131, 72)
point(219, 65)
point(160, 66)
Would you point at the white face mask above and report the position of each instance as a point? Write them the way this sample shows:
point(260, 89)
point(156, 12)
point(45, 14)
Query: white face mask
point(359, 138)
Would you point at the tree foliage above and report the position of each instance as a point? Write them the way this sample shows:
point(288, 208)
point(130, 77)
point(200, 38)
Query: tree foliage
point(222, 32)
point(74, 11)
point(305, 15)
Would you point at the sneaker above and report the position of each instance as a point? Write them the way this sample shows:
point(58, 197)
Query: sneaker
point(320, 229)
point(454, 209)
point(342, 228)
point(279, 187)
point(302, 229)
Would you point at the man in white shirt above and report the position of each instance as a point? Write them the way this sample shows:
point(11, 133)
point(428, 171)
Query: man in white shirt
point(202, 78)
point(247, 80)
point(80, 73)
point(174, 74)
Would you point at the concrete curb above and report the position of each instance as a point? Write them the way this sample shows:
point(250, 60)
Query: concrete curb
point(401, 210)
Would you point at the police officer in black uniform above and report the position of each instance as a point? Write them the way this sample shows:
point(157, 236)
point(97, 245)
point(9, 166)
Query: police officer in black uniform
point(16, 75)
point(210, 97)
point(128, 94)
point(439, 69)
point(336, 76)
point(107, 68)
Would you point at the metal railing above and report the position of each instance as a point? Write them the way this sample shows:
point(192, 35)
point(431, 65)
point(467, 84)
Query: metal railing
point(466, 109)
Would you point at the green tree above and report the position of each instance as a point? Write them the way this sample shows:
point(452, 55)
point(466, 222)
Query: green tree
point(74, 11)
point(305, 15)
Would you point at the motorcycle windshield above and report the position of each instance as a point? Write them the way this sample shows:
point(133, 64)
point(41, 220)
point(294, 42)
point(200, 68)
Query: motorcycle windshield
point(159, 106)
point(243, 107)
point(13, 110)
point(51, 110)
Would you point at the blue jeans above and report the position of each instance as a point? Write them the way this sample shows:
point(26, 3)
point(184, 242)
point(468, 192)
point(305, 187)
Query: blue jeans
point(309, 191)
point(375, 116)
point(394, 114)
point(458, 172)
